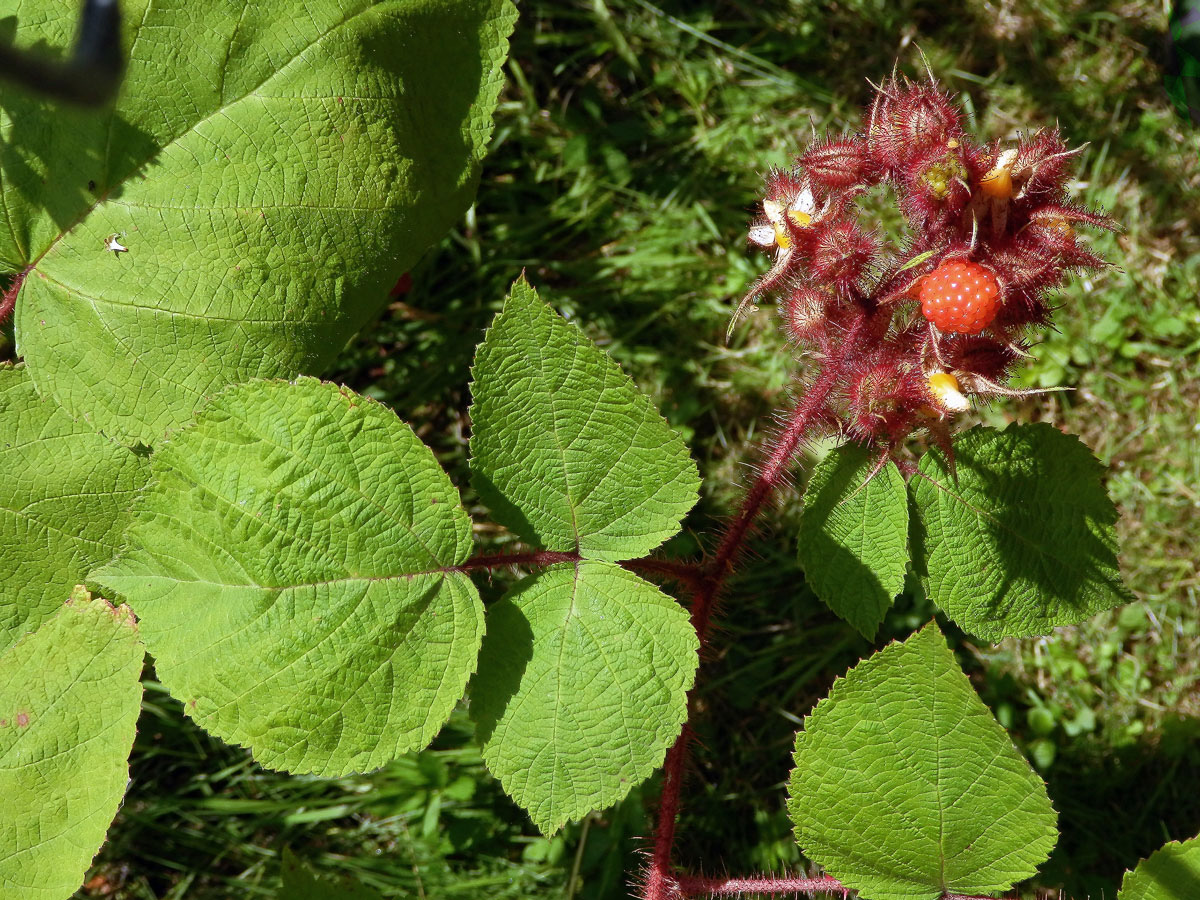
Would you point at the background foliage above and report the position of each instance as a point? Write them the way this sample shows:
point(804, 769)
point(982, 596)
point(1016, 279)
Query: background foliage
point(629, 147)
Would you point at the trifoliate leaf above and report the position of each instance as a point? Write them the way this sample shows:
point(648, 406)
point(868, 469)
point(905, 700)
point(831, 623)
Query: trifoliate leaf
point(854, 536)
point(582, 687)
point(565, 450)
point(69, 701)
point(301, 883)
point(271, 168)
point(292, 568)
point(1023, 540)
point(1172, 872)
point(905, 787)
point(64, 503)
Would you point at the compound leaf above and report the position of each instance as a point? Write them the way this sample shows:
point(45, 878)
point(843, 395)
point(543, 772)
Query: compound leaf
point(64, 503)
point(905, 787)
point(271, 168)
point(565, 450)
point(582, 687)
point(854, 536)
point(1023, 541)
point(1172, 872)
point(69, 701)
point(292, 568)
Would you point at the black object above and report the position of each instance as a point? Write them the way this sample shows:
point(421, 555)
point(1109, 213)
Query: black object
point(91, 76)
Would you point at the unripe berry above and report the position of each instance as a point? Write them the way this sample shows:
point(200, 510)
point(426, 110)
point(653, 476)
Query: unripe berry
point(960, 296)
point(841, 253)
point(805, 313)
point(838, 163)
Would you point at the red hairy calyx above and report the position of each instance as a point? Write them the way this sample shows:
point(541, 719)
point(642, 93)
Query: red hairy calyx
point(913, 333)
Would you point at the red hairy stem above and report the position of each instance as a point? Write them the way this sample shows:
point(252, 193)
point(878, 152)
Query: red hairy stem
point(698, 886)
point(687, 574)
point(660, 884)
point(8, 301)
point(799, 424)
point(502, 560)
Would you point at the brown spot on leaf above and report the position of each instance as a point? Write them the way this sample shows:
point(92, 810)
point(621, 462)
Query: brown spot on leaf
point(22, 719)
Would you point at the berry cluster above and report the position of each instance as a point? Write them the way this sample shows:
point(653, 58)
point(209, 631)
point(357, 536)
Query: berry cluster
point(911, 334)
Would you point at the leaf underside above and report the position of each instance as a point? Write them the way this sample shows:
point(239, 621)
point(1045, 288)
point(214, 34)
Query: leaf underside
point(291, 567)
point(565, 450)
point(582, 687)
point(64, 503)
point(271, 168)
point(905, 787)
point(1024, 540)
point(69, 701)
point(853, 540)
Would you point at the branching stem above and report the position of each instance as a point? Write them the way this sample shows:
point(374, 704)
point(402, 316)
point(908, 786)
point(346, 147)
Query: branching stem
point(660, 883)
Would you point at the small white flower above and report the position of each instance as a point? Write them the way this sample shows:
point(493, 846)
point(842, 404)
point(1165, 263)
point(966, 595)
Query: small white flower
point(762, 236)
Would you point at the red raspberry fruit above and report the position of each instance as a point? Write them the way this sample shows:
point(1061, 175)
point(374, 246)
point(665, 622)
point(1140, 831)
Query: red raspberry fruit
point(959, 296)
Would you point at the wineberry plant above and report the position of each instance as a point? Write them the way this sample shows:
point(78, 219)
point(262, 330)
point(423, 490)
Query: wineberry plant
point(303, 572)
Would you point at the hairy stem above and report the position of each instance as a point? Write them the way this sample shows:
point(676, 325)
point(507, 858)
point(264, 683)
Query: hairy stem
point(534, 558)
point(699, 886)
point(685, 573)
point(8, 300)
point(660, 884)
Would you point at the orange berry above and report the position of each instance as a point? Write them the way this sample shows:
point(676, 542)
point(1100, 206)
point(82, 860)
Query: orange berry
point(960, 297)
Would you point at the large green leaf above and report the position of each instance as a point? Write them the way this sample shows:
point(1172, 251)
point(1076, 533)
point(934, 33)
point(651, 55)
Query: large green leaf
point(1023, 540)
point(64, 503)
point(69, 700)
point(582, 687)
point(1172, 872)
point(854, 536)
point(292, 566)
point(565, 450)
point(271, 166)
point(905, 787)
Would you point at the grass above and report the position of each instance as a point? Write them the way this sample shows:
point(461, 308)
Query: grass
point(630, 145)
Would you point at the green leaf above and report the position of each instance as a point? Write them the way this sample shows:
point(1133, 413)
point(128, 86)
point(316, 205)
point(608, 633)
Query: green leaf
point(565, 450)
point(301, 883)
point(854, 537)
point(905, 787)
point(64, 503)
point(1024, 540)
point(292, 568)
point(1172, 872)
point(272, 167)
point(582, 687)
point(917, 260)
point(69, 701)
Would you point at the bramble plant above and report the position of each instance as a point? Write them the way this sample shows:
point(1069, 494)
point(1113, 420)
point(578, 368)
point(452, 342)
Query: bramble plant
point(300, 567)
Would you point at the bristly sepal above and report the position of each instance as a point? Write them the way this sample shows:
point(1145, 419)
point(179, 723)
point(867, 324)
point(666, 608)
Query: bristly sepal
point(992, 234)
